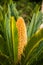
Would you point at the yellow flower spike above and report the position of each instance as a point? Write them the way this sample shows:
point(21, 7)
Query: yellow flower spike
point(22, 36)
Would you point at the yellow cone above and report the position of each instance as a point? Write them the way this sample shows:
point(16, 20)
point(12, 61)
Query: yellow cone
point(22, 34)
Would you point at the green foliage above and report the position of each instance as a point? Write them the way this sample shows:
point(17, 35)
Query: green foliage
point(14, 34)
point(33, 52)
point(14, 11)
point(4, 60)
point(35, 24)
point(27, 8)
point(33, 49)
point(9, 37)
point(5, 1)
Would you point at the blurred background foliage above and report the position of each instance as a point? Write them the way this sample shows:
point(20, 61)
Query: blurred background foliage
point(26, 8)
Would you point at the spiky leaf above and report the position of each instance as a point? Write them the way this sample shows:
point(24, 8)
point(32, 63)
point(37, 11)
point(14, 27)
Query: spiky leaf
point(33, 48)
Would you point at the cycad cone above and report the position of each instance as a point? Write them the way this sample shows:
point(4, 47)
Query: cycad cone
point(22, 36)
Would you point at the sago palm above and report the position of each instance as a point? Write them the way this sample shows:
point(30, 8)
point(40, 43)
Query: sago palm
point(20, 45)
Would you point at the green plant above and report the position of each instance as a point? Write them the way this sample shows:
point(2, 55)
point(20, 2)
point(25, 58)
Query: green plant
point(33, 52)
point(27, 8)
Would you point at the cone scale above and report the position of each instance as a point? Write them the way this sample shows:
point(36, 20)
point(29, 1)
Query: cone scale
point(22, 36)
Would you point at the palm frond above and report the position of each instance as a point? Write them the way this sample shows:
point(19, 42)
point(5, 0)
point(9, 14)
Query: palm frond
point(33, 48)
